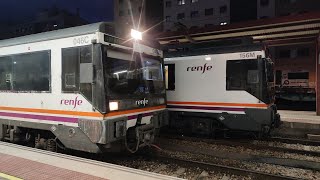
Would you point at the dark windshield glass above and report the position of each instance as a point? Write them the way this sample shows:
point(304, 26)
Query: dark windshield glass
point(133, 74)
point(249, 75)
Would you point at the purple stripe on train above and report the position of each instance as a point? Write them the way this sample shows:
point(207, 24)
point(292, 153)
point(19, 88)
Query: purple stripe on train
point(207, 108)
point(55, 118)
point(40, 117)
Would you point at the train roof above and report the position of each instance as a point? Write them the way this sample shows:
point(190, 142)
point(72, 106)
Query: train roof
point(103, 27)
point(212, 47)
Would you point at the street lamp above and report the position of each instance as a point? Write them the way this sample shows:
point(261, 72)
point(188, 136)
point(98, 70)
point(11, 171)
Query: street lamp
point(137, 35)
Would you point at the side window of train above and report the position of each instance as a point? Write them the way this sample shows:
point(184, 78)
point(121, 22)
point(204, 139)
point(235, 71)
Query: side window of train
point(72, 59)
point(170, 76)
point(26, 72)
point(6, 73)
point(70, 70)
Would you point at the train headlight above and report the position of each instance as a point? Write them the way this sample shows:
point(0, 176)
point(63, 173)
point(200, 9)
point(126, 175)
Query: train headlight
point(136, 34)
point(113, 106)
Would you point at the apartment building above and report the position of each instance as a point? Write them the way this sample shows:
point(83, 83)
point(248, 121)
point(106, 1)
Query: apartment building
point(206, 13)
point(195, 13)
point(45, 20)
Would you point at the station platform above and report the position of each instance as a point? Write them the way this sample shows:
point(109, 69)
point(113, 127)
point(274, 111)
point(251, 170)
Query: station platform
point(298, 123)
point(20, 162)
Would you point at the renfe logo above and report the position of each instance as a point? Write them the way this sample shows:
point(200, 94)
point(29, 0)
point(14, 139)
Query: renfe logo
point(203, 68)
point(71, 102)
point(143, 102)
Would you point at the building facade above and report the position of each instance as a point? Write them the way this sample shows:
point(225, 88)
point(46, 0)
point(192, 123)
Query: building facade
point(293, 51)
point(206, 13)
point(291, 7)
point(137, 14)
point(195, 13)
point(45, 20)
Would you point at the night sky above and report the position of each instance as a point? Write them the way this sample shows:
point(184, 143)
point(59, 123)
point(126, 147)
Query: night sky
point(16, 11)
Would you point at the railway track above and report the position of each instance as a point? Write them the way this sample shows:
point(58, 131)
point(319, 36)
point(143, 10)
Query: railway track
point(282, 159)
point(208, 167)
point(294, 141)
point(252, 144)
point(178, 167)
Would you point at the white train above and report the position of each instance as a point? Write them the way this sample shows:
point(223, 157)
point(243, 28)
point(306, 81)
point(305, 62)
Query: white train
point(80, 88)
point(220, 88)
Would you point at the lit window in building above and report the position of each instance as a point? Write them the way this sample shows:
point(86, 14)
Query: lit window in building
point(194, 14)
point(264, 2)
point(180, 16)
point(168, 3)
point(208, 12)
point(194, 1)
point(181, 2)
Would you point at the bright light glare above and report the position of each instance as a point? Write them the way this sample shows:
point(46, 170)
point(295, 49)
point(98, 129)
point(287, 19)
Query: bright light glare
point(136, 34)
point(208, 58)
point(113, 106)
point(119, 72)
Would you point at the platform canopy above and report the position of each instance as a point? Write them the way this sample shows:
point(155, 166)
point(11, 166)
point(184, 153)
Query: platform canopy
point(279, 31)
point(299, 27)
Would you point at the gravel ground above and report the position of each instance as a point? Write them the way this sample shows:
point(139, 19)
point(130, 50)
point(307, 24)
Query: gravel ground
point(198, 173)
point(266, 168)
point(171, 170)
point(246, 150)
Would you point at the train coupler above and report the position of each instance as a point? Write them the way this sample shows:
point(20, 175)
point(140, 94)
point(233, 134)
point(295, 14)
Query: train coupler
point(144, 136)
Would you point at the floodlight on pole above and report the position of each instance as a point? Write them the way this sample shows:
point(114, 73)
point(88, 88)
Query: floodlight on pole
point(136, 34)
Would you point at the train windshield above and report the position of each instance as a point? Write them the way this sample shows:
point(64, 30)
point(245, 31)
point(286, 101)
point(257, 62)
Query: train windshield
point(133, 74)
point(252, 75)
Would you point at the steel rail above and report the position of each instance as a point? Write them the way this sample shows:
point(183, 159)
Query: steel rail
point(222, 168)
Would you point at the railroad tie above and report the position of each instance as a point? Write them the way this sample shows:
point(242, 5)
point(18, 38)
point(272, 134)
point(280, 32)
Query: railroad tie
point(204, 175)
point(179, 172)
point(160, 168)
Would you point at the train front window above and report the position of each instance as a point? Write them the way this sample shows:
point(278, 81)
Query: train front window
point(133, 74)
